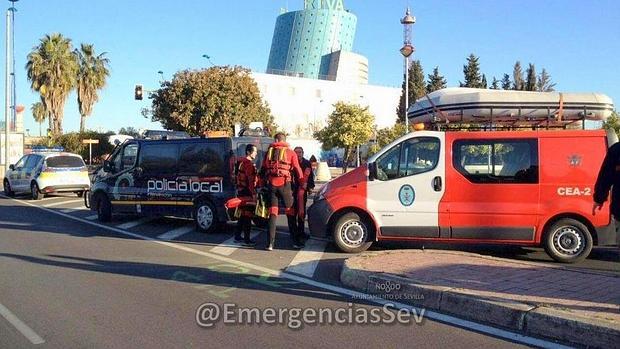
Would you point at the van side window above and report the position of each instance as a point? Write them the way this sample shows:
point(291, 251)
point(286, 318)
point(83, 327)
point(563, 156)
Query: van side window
point(411, 157)
point(159, 159)
point(387, 164)
point(418, 155)
point(127, 159)
point(201, 159)
point(497, 161)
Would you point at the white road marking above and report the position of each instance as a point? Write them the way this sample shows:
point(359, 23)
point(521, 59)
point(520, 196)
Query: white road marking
point(135, 223)
point(91, 218)
point(306, 260)
point(175, 233)
point(497, 332)
point(69, 210)
point(229, 246)
point(19, 224)
point(62, 202)
point(32, 336)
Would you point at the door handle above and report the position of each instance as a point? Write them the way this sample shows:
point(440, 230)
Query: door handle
point(437, 183)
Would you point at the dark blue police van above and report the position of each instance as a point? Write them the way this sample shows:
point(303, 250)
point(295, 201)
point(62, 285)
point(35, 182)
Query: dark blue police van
point(188, 178)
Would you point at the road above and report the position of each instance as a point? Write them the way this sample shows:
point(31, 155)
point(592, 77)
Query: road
point(68, 281)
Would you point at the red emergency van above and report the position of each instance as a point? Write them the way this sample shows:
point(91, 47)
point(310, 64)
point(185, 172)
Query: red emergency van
point(530, 188)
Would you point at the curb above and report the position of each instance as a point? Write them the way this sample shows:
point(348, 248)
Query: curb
point(531, 320)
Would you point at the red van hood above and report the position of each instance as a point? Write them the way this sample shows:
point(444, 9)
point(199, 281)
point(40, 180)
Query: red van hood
point(357, 176)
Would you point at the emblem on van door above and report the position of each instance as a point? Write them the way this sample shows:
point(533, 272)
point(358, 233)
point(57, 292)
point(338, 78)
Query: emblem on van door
point(406, 195)
point(574, 160)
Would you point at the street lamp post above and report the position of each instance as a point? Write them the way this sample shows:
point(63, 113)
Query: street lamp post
point(407, 50)
point(9, 85)
point(161, 74)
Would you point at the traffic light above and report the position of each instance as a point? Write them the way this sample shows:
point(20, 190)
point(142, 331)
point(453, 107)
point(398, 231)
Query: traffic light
point(138, 92)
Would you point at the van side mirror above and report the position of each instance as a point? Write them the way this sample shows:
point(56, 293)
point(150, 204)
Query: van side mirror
point(107, 166)
point(372, 171)
point(12, 167)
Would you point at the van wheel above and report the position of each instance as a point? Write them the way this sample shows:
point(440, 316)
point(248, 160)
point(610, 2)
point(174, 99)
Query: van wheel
point(104, 208)
point(204, 215)
point(568, 241)
point(352, 233)
point(7, 189)
point(35, 192)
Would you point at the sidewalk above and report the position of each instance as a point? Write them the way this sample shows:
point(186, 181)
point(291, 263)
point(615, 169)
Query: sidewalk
point(556, 302)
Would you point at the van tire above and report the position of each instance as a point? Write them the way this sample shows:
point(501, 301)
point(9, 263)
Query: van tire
point(104, 208)
point(205, 216)
point(568, 241)
point(352, 233)
point(7, 188)
point(35, 192)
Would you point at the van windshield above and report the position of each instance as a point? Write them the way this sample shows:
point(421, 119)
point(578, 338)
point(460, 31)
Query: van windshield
point(63, 161)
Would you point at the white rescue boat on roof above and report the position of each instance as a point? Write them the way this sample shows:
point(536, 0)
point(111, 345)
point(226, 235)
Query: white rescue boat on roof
point(473, 105)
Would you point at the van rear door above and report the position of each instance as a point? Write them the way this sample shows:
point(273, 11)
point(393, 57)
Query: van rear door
point(405, 196)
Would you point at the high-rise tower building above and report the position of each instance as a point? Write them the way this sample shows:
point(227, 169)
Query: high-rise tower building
point(317, 42)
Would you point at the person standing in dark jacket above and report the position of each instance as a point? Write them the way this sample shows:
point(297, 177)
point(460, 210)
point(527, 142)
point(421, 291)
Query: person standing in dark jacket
point(609, 178)
point(301, 190)
point(246, 190)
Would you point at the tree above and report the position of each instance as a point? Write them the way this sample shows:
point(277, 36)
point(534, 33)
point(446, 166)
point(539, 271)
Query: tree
point(613, 123)
point(506, 83)
point(530, 82)
point(91, 77)
point(544, 83)
point(484, 82)
point(435, 81)
point(129, 131)
point(495, 84)
point(39, 114)
point(348, 126)
point(517, 77)
point(212, 99)
point(417, 88)
point(471, 70)
point(52, 69)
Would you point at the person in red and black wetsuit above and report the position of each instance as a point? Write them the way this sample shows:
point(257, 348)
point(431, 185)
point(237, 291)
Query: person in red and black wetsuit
point(278, 169)
point(246, 191)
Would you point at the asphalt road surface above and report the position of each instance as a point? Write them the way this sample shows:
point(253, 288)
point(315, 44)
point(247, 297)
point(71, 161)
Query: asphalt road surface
point(68, 281)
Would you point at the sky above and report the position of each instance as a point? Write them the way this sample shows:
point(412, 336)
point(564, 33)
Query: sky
point(577, 42)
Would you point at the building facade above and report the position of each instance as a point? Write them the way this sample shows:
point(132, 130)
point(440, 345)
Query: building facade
point(301, 106)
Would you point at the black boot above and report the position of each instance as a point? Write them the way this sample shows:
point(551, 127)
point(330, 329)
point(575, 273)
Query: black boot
point(247, 228)
point(294, 231)
point(238, 229)
point(301, 228)
point(272, 232)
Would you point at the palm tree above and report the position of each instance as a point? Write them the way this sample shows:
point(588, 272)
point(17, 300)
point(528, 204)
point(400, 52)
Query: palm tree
point(52, 70)
point(39, 114)
point(91, 77)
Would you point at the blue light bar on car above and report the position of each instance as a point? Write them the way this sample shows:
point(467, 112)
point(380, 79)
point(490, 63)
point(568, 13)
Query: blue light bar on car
point(43, 149)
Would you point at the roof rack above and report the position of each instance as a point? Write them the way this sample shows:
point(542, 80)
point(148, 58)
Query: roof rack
point(553, 120)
